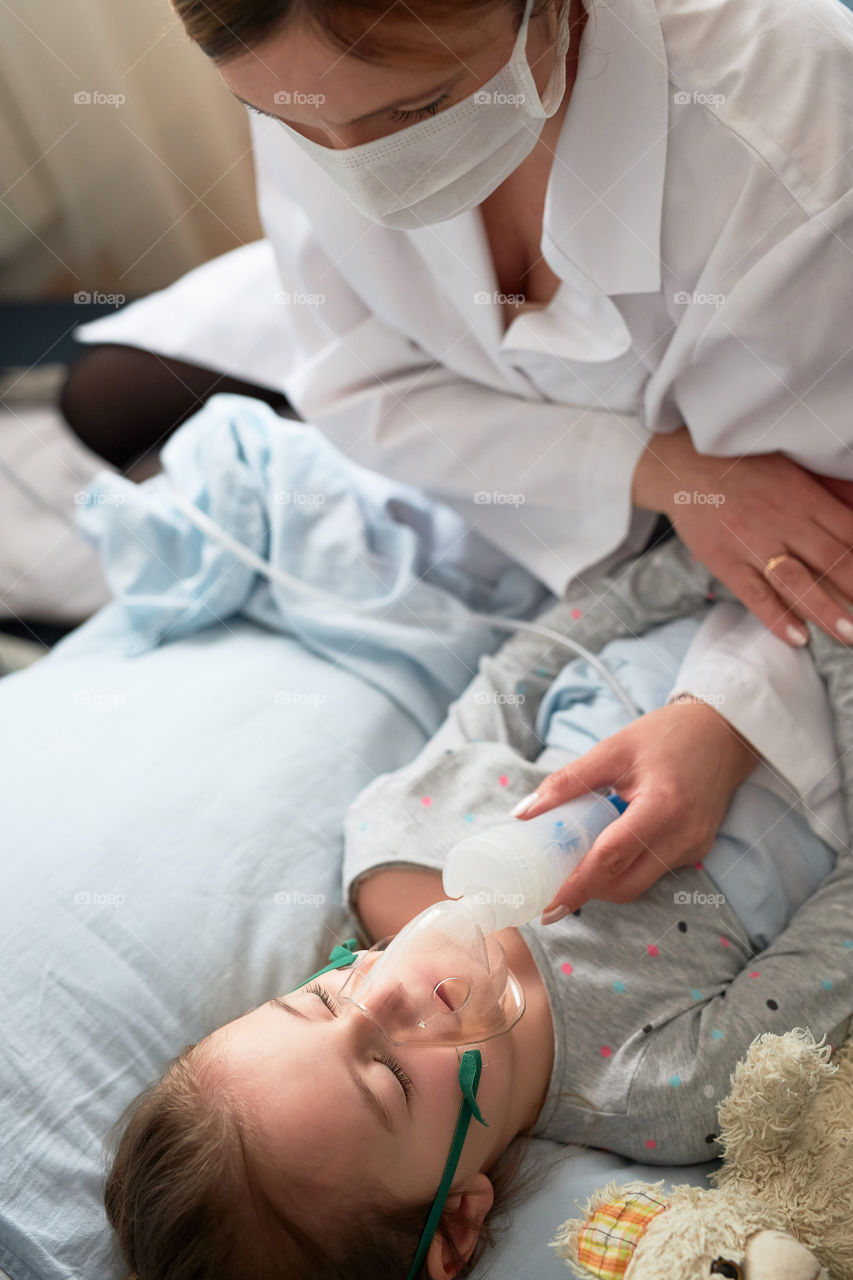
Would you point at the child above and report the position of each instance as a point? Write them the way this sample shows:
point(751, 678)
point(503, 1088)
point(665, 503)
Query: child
point(297, 1141)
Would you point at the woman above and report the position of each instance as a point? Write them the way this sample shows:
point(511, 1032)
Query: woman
point(561, 267)
point(366, 352)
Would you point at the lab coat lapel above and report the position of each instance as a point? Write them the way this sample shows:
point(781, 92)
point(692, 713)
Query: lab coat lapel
point(458, 255)
point(605, 197)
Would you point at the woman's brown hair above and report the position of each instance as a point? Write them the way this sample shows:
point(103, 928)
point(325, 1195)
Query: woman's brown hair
point(184, 1196)
point(224, 29)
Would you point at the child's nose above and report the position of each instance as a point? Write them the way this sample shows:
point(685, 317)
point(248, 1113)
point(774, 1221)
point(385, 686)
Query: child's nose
point(390, 1009)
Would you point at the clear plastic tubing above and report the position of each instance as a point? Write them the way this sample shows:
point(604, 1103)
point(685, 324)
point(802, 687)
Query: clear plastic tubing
point(507, 874)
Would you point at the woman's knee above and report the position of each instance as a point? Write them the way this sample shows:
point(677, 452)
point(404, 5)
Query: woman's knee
point(114, 399)
point(122, 401)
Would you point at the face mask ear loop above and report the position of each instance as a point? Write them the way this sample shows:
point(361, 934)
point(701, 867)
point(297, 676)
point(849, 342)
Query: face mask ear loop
point(469, 1081)
point(339, 956)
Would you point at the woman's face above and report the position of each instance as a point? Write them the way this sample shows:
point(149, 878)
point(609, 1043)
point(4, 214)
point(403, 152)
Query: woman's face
point(338, 101)
point(334, 1114)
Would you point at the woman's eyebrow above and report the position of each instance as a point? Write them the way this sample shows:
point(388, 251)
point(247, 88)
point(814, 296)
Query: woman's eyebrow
point(376, 1102)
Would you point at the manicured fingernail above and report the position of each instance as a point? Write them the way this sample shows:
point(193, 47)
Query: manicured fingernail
point(555, 913)
point(845, 627)
point(525, 804)
point(797, 636)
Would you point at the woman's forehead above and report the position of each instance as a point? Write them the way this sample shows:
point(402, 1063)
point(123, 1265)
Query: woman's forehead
point(298, 61)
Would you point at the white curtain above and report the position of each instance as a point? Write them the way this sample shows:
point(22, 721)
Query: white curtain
point(100, 193)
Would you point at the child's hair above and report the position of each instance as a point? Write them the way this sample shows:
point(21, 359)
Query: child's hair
point(184, 1196)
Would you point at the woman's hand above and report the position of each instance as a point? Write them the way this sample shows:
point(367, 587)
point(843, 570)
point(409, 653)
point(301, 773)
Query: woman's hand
point(738, 514)
point(677, 767)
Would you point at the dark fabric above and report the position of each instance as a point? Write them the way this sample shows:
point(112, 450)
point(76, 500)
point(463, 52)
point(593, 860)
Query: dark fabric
point(662, 531)
point(123, 402)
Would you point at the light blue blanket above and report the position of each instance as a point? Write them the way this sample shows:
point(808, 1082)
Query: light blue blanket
point(279, 487)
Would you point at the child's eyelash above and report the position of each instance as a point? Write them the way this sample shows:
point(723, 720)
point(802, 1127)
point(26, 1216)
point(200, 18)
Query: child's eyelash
point(316, 990)
point(398, 1072)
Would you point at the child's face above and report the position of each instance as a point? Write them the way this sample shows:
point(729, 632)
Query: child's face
point(317, 1087)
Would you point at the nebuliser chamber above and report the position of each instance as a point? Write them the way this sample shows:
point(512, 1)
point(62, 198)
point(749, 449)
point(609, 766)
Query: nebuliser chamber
point(507, 874)
point(444, 979)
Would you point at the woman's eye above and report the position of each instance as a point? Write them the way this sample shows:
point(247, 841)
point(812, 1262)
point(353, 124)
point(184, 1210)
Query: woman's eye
point(722, 1267)
point(420, 112)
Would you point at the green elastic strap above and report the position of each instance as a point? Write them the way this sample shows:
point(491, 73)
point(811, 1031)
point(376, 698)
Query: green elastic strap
point(339, 956)
point(469, 1081)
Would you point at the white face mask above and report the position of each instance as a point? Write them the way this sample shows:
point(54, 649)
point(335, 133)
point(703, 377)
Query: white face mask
point(445, 165)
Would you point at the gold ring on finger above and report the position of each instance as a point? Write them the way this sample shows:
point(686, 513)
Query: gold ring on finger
point(774, 560)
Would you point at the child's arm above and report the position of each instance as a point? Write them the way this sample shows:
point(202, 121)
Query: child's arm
point(387, 900)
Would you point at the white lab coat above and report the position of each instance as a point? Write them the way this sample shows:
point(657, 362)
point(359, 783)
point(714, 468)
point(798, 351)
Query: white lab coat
point(700, 217)
point(748, 202)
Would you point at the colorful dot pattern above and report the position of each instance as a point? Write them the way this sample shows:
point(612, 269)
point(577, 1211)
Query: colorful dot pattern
point(715, 1034)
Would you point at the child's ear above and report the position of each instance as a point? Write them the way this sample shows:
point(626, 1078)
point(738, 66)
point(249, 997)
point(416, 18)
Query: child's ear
point(466, 1206)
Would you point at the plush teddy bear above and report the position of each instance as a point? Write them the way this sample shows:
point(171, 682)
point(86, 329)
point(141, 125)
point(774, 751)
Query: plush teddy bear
point(779, 1208)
